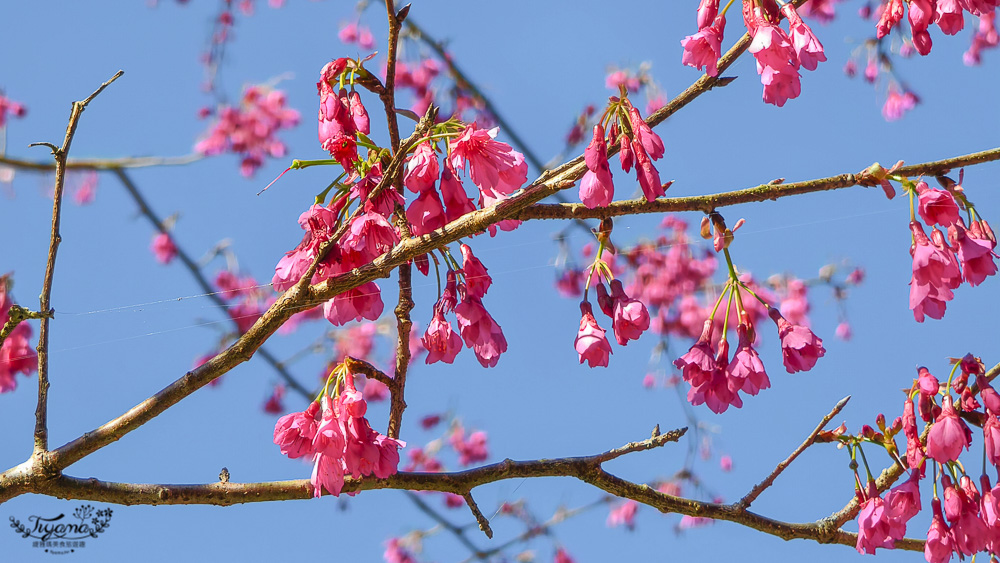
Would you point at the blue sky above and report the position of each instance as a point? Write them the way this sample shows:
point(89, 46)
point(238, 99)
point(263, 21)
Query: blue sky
point(540, 63)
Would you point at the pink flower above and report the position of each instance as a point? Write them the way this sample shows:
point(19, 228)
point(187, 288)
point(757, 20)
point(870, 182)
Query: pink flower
point(936, 207)
point(703, 49)
point(914, 448)
point(362, 302)
point(891, 15)
point(597, 188)
point(698, 364)
point(876, 528)
point(843, 331)
point(651, 143)
point(630, 317)
point(480, 331)
point(294, 433)
point(422, 168)
point(746, 367)
point(719, 391)
point(707, 10)
point(991, 435)
point(935, 274)
point(948, 435)
point(726, 463)
point(16, 353)
point(273, 405)
point(949, 17)
point(623, 514)
point(477, 280)
point(471, 450)
point(163, 248)
point(777, 63)
point(562, 556)
point(370, 235)
point(807, 47)
point(649, 177)
point(487, 159)
point(800, 348)
point(456, 202)
point(975, 252)
point(441, 342)
point(897, 103)
point(359, 115)
point(903, 501)
point(591, 343)
point(396, 553)
point(938, 548)
point(426, 213)
point(348, 33)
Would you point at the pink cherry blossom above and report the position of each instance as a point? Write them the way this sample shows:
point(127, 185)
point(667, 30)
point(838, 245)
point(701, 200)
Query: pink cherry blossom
point(800, 348)
point(597, 188)
point(359, 115)
point(777, 63)
point(8, 105)
point(746, 367)
point(939, 546)
point(274, 404)
point(649, 177)
point(630, 317)
point(903, 501)
point(294, 433)
point(470, 450)
point(898, 102)
point(422, 168)
point(698, 364)
point(935, 274)
point(807, 47)
point(319, 222)
point(371, 235)
point(484, 158)
point(707, 10)
point(456, 202)
point(426, 213)
point(477, 279)
point(949, 16)
point(991, 436)
point(163, 248)
point(914, 447)
point(591, 343)
point(480, 331)
point(718, 391)
point(948, 435)
point(362, 302)
point(441, 342)
point(891, 15)
point(876, 528)
point(703, 49)
point(16, 353)
point(623, 514)
point(936, 207)
point(975, 252)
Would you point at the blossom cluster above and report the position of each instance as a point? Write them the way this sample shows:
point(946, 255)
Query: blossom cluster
point(949, 15)
point(629, 319)
point(779, 54)
point(965, 519)
point(250, 129)
point(942, 261)
point(16, 353)
point(638, 145)
point(334, 433)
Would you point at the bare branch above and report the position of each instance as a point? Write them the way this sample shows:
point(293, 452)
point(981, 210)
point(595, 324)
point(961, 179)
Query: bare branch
point(769, 480)
point(102, 163)
point(484, 523)
point(59, 154)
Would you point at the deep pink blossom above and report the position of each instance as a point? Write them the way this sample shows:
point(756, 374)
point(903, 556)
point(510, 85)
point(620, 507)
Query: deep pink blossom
point(9, 106)
point(477, 279)
point(385, 202)
point(939, 546)
point(948, 435)
point(16, 353)
point(319, 222)
point(396, 553)
point(703, 49)
point(991, 436)
point(484, 158)
point(359, 115)
point(800, 348)
point(876, 527)
point(936, 207)
point(294, 433)
point(630, 317)
point(471, 449)
point(648, 175)
point(698, 364)
point(362, 302)
point(651, 143)
point(163, 248)
point(935, 274)
point(591, 343)
point(562, 556)
point(441, 342)
point(897, 103)
point(891, 15)
point(371, 235)
point(480, 331)
point(597, 188)
point(777, 63)
point(975, 252)
point(746, 367)
point(456, 202)
point(949, 16)
point(422, 168)
point(807, 47)
point(274, 404)
point(914, 447)
point(426, 213)
point(903, 501)
point(719, 391)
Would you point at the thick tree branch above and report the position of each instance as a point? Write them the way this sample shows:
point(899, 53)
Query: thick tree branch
point(60, 155)
point(763, 192)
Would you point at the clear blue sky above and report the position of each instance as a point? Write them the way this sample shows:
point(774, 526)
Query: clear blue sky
point(541, 63)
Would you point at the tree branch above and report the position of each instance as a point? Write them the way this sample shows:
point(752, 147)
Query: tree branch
point(769, 480)
point(59, 154)
point(102, 163)
point(763, 192)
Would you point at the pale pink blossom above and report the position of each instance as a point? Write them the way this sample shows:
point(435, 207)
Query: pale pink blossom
point(897, 103)
point(623, 515)
point(471, 449)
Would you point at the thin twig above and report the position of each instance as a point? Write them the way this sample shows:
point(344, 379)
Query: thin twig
point(458, 531)
point(102, 163)
point(45, 305)
point(769, 480)
point(484, 523)
point(355, 365)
